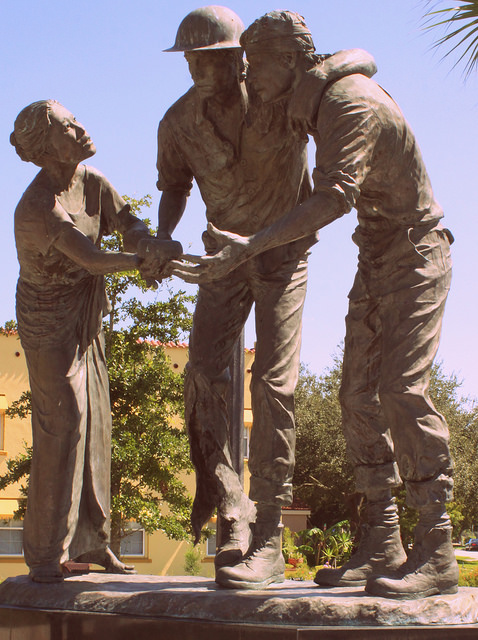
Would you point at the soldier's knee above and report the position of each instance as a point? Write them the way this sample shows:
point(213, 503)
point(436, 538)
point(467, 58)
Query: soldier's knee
point(353, 400)
point(395, 395)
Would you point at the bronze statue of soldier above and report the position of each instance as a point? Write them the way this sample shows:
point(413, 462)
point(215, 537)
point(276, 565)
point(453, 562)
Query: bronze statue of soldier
point(250, 166)
point(367, 158)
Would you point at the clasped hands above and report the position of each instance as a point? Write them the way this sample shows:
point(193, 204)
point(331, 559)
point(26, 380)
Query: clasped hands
point(164, 258)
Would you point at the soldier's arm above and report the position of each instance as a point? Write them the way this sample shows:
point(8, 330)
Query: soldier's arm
point(349, 129)
point(349, 61)
point(175, 178)
point(170, 212)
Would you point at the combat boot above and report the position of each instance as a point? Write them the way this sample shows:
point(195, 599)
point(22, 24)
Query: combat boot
point(234, 536)
point(380, 549)
point(431, 569)
point(263, 563)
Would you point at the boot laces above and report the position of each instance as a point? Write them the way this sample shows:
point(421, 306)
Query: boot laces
point(258, 547)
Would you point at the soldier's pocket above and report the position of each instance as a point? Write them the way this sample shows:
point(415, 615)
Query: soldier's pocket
point(432, 249)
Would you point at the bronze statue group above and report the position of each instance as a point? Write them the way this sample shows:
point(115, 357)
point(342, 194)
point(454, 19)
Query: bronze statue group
point(241, 133)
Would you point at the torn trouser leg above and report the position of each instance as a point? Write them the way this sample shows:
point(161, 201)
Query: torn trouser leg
point(220, 314)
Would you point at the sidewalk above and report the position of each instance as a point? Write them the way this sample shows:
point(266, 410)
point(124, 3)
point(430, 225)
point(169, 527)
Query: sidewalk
point(470, 555)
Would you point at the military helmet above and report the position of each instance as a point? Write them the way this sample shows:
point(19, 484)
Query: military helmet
point(211, 27)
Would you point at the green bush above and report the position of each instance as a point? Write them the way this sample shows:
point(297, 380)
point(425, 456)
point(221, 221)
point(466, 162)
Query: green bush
point(192, 561)
point(468, 574)
point(301, 572)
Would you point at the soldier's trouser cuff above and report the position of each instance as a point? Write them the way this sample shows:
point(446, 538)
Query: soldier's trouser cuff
point(263, 490)
point(427, 492)
point(379, 476)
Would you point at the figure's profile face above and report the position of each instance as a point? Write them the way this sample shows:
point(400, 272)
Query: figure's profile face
point(68, 140)
point(213, 71)
point(271, 74)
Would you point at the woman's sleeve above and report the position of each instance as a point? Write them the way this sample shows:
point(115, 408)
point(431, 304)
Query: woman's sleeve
point(40, 222)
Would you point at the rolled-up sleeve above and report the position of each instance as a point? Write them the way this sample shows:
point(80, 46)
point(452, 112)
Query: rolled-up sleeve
point(173, 172)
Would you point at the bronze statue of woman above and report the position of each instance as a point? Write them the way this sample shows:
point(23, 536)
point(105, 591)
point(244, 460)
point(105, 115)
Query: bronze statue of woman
point(61, 301)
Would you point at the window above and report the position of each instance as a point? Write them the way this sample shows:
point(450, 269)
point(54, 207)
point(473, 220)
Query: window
point(2, 430)
point(3, 408)
point(247, 433)
point(11, 537)
point(133, 544)
point(211, 542)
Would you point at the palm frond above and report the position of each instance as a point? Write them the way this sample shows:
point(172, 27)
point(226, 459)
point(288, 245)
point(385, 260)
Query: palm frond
point(461, 23)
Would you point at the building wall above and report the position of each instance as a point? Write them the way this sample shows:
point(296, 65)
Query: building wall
point(14, 434)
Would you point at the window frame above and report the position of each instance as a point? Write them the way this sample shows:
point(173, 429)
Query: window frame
point(135, 530)
point(8, 527)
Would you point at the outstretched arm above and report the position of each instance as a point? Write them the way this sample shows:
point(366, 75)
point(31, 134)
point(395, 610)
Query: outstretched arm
point(349, 128)
point(315, 213)
point(74, 244)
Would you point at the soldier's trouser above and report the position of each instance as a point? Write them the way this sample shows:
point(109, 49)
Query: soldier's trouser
point(221, 311)
point(392, 335)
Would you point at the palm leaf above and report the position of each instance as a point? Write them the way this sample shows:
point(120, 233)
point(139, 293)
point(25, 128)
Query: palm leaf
point(461, 24)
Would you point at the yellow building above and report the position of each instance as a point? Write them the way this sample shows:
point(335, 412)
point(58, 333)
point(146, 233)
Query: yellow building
point(151, 554)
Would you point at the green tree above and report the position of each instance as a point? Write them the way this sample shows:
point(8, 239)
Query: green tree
point(461, 414)
point(148, 451)
point(323, 476)
point(460, 23)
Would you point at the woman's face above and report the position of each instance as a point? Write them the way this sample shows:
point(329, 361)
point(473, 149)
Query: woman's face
point(68, 141)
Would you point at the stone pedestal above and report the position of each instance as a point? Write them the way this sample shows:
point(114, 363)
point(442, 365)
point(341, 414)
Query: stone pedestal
point(184, 608)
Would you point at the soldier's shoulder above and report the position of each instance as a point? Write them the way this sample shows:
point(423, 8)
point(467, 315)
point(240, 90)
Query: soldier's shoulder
point(353, 87)
point(183, 107)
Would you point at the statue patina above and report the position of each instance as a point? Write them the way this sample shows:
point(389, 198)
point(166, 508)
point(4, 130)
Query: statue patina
point(367, 158)
point(60, 302)
point(250, 165)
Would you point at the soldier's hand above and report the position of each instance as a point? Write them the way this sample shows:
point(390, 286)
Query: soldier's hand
point(150, 248)
point(156, 255)
point(233, 250)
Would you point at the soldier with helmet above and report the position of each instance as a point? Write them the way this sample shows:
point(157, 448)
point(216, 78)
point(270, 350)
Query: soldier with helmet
point(239, 150)
point(368, 158)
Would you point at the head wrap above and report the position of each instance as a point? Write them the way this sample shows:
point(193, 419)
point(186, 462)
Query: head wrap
point(278, 31)
point(30, 132)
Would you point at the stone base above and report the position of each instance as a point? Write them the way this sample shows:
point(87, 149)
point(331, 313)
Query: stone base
point(114, 606)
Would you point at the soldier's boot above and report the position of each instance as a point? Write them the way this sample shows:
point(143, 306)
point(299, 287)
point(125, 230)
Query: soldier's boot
point(235, 536)
point(380, 549)
point(431, 568)
point(263, 563)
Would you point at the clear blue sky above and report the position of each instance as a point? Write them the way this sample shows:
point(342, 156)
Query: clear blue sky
point(103, 60)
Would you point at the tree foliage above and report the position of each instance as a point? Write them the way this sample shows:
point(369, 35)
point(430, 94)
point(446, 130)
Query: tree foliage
point(149, 447)
point(460, 22)
point(323, 476)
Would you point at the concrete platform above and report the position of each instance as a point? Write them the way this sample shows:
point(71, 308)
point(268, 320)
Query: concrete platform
point(185, 608)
